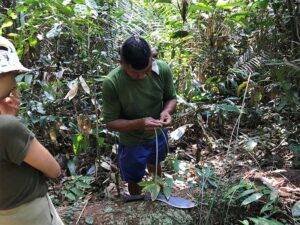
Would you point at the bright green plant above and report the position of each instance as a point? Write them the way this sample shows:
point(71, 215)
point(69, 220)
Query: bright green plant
point(76, 187)
point(261, 221)
point(207, 176)
point(156, 185)
point(246, 192)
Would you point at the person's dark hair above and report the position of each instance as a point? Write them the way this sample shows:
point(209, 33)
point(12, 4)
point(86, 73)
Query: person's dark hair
point(136, 52)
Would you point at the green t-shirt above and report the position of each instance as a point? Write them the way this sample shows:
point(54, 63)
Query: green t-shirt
point(126, 98)
point(19, 182)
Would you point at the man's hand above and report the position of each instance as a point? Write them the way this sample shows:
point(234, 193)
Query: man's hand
point(10, 106)
point(151, 124)
point(165, 118)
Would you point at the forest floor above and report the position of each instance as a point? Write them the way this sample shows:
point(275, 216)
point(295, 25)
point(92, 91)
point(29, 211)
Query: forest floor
point(113, 210)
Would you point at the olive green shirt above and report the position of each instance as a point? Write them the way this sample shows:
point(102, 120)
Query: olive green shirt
point(129, 99)
point(19, 182)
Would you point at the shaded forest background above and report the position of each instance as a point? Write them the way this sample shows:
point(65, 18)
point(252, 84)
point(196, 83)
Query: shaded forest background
point(236, 68)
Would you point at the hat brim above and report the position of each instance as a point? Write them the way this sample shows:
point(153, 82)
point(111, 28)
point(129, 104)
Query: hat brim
point(14, 69)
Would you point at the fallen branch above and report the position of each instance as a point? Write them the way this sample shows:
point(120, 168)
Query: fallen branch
point(87, 200)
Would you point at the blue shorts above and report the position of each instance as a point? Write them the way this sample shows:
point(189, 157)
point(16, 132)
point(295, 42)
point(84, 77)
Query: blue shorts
point(132, 160)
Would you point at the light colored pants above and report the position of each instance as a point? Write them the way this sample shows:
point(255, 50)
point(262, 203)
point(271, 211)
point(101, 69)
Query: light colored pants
point(40, 211)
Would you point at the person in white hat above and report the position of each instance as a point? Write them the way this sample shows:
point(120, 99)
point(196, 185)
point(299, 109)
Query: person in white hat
point(25, 164)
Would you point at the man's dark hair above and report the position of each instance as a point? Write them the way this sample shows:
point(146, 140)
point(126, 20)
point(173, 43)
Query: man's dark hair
point(136, 52)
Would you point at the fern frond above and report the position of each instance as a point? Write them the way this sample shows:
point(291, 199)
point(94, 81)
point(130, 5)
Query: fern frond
point(250, 62)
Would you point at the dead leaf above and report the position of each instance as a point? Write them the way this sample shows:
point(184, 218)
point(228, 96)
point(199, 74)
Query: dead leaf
point(84, 124)
point(84, 85)
point(73, 85)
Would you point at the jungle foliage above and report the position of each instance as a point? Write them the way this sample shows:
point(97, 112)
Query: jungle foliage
point(236, 68)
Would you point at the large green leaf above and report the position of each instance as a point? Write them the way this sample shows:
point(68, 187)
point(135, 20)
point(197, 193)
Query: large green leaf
point(82, 184)
point(77, 192)
point(264, 221)
point(245, 222)
point(86, 179)
point(180, 34)
point(167, 188)
point(89, 219)
point(8, 23)
point(200, 6)
point(245, 193)
point(154, 189)
point(70, 196)
point(230, 5)
point(163, 1)
point(252, 198)
point(167, 191)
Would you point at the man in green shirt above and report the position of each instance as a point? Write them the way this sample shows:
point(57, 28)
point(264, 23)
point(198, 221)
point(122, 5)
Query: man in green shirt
point(138, 100)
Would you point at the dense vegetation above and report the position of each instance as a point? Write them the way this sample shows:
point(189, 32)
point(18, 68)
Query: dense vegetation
point(236, 67)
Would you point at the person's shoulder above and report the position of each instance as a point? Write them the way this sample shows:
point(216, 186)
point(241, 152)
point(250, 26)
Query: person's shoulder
point(9, 123)
point(115, 72)
point(162, 64)
point(6, 120)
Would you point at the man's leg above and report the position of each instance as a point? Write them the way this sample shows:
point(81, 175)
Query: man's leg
point(152, 169)
point(134, 188)
point(132, 164)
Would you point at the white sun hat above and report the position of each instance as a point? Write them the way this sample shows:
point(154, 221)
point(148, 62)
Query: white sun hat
point(9, 60)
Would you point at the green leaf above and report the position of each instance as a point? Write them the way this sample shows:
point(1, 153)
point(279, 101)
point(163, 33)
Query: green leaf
point(167, 191)
point(228, 108)
point(32, 41)
point(154, 192)
point(169, 181)
point(176, 165)
point(28, 78)
point(77, 192)
point(100, 141)
point(89, 219)
point(71, 196)
point(86, 179)
point(21, 8)
point(12, 35)
point(241, 87)
point(82, 184)
point(8, 23)
point(233, 189)
point(154, 189)
point(200, 6)
point(230, 5)
point(145, 183)
point(274, 195)
point(72, 167)
point(108, 209)
point(245, 222)
point(167, 188)
point(244, 193)
point(19, 78)
point(264, 221)
point(267, 207)
point(78, 144)
point(180, 34)
point(163, 1)
point(296, 209)
point(252, 198)
point(11, 14)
